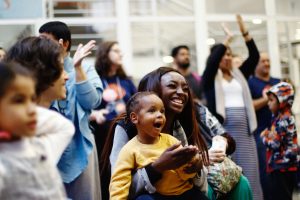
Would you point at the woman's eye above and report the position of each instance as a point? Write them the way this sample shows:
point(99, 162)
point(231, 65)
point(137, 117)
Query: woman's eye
point(171, 86)
point(185, 89)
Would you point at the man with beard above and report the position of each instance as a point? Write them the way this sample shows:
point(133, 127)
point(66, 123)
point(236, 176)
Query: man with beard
point(181, 56)
point(259, 84)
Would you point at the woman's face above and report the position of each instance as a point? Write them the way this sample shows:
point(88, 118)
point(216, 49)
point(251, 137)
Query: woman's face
point(58, 89)
point(174, 92)
point(115, 55)
point(226, 61)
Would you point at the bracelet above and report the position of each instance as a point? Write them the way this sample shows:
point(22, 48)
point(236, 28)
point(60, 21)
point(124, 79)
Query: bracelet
point(246, 33)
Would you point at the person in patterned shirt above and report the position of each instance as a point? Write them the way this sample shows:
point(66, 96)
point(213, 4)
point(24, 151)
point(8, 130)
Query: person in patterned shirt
point(281, 142)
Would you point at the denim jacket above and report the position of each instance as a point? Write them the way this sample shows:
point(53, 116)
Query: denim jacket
point(81, 98)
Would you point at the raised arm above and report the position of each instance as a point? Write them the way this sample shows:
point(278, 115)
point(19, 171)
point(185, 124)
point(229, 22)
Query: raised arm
point(89, 92)
point(214, 59)
point(249, 65)
point(88, 85)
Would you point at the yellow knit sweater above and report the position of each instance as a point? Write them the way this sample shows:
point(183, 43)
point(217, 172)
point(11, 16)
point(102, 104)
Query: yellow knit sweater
point(136, 155)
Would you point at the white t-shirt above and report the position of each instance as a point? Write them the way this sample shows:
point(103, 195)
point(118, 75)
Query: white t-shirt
point(233, 93)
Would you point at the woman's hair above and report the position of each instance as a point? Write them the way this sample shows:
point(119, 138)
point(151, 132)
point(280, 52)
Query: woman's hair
point(216, 46)
point(8, 73)
point(103, 63)
point(187, 118)
point(41, 56)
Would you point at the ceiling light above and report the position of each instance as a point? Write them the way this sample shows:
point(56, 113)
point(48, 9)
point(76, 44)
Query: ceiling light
point(210, 41)
point(167, 59)
point(256, 21)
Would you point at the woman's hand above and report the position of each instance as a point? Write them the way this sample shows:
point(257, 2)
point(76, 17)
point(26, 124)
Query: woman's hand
point(195, 165)
point(229, 35)
point(174, 157)
point(242, 27)
point(99, 116)
point(216, 156)
point(82, 52)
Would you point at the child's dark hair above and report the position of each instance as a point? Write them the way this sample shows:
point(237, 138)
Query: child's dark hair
point(8, 73)
point(133, 104)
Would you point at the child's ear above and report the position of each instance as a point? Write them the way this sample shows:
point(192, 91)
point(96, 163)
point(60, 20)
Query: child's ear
point(133, 117)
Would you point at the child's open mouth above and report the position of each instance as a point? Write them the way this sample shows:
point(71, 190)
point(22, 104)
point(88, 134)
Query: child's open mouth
point(158, 124)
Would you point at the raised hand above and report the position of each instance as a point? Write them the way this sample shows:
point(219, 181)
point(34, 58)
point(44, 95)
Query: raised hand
point(241, 24)
point(82, 52)
point(229, 35)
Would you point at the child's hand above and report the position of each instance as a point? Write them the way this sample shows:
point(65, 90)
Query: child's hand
point(195, 165)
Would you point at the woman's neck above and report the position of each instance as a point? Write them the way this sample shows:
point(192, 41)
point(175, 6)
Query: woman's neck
point(168, 128)
point(44, 102)
point(112, 71)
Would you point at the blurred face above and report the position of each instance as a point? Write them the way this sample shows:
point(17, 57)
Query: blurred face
point(2, 54)
point(273, 103)
point(182, 58)
point(150, 119)
point(263, 67)
point(237, 61)
point(58, 89)
point(64, 45)
point(174, 92)
point(226, 62)
point(18, 108)
point(115, 55)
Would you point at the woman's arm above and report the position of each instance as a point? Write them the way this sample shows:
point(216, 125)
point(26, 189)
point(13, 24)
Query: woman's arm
point(249, 65)
point(120, 139)
point(214, 59)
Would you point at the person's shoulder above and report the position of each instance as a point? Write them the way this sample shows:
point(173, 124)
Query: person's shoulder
point(131, 144)
point(252, 78)
point(274, 80)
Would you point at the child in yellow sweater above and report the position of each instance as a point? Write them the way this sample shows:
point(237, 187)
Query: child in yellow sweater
point(146, 111)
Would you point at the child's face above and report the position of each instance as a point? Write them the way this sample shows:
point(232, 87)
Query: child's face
point(18, 108)
point(150, 119)
point(273, 103)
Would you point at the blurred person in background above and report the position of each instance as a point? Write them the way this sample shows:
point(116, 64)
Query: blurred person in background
point(118, 88)
point(229, 99)
point(181, 62)
point(259, 84)
point(78, 165)
point(2, 53)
